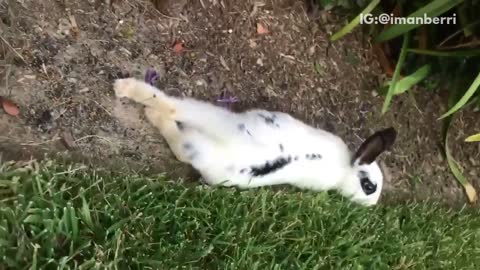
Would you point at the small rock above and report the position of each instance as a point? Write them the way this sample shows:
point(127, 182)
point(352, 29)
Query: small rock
point(200, 82)
point(252, 43)
point(72, 80)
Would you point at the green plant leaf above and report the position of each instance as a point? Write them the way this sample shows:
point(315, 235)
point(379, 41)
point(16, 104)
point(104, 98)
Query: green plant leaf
point(473, 138)
point(470, 92)
point(455, 169)
point(433, 9)
point(349, 27)
point(398, 67)
point(407, 82)
point(317, 68)
point(457, 53)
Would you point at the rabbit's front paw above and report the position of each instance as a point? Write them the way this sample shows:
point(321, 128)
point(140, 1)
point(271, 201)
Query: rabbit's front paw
point(124, 87)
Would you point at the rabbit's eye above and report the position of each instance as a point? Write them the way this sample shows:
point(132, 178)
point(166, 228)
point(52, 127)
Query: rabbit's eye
point(367, 186)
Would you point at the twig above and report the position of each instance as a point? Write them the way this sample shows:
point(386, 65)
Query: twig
point(83, 167)
point(13, 49)
point(93, 136)
point(56, 138)
point(103, 108)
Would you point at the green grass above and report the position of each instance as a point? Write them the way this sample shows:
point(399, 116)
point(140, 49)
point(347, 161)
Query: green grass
point(58, 217)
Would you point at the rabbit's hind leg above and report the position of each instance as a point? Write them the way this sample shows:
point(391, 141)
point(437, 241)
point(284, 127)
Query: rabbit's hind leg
point(187, 144)
point(145, 94)
point(171, 132)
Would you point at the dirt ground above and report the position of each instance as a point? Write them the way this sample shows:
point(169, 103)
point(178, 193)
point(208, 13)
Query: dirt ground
point(58, 60)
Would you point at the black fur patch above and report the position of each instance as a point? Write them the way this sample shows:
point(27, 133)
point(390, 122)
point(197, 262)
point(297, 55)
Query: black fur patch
point(270, 166)
point(180, 125)
point(269, 120)
point(313, 156)
point(242, 127)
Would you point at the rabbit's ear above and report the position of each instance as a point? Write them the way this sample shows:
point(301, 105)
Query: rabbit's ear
point(374, 145)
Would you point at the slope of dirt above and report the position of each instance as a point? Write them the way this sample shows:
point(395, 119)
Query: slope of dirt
point(71, 51)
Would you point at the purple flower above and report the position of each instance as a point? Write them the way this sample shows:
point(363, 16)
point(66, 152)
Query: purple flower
point(226, 100)
point(151, 76)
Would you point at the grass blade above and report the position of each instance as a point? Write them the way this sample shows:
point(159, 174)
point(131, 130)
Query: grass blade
point(432, 9)
point(73, 222)
point(349, 27)
point(117, 225)
point(457, 53)
point(470, 92)
point(86, 216)
point(398, 67)
point(473, 138)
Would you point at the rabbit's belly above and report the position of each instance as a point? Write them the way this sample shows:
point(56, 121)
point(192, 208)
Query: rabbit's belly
point(239, 170)
point(272, 170)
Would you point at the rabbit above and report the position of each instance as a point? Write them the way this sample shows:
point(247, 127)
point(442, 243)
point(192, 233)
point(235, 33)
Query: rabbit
point(258, 148)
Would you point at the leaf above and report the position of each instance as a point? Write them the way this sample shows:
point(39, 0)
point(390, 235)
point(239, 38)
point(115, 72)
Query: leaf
point(452, 163)
point(178, 47)
point(471, 90)
point(455, 169)
point(407, 82)
point(318, 68)
point(458, 53)
point(433, 9)
point(9, 107)
point(261, 30)
point(349, 27)
point(398, 67)
point(473, 138)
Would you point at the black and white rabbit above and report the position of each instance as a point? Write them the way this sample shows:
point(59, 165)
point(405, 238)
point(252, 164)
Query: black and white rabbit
point(260, 148)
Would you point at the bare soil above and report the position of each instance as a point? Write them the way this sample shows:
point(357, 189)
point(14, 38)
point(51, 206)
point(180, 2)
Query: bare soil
point(58, 60)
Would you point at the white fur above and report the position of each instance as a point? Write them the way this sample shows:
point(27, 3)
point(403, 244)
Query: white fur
point(212, 141)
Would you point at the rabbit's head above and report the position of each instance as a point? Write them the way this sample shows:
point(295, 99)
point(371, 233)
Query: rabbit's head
point(364, 184)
